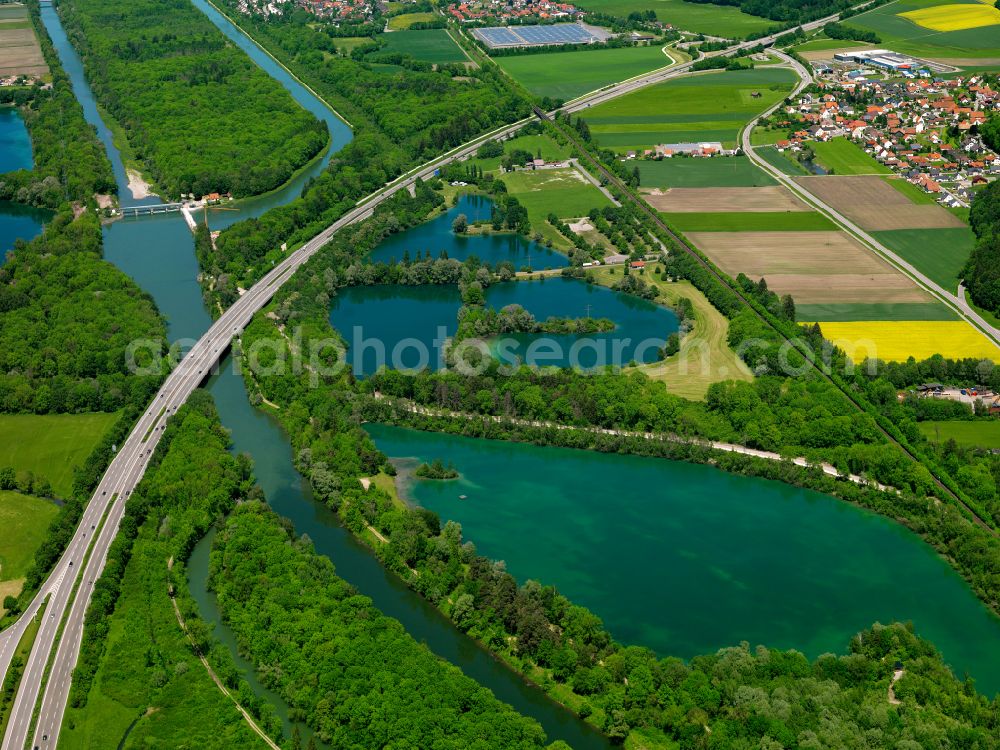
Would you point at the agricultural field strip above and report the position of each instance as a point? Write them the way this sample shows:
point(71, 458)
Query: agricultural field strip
point(877, 206)
point(723, 199)
point(952, 301)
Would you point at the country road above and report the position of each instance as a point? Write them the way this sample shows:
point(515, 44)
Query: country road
point(48, 671)
point(957, 302)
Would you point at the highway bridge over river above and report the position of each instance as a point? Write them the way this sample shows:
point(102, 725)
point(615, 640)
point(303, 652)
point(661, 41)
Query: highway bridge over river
point(48, 671)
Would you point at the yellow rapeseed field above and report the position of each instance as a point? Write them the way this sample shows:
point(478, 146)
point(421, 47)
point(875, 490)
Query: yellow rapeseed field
point(898, 340)
point(954, 17)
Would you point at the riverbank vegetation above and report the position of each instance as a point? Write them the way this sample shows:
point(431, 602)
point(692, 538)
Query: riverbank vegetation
point(69, 161)
point(376, 682)
point(70, 319)
point(137, 675)
point(199, 115)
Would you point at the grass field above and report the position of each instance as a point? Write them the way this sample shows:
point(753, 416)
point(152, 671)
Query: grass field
point(979, 434)
point(405, 20)
point(823, 44)
point(705, 356)
point(841, 156)
point(939, 254)
point(51, 445)
point(23, 523)
point(348, 43)
point(567, 75)
point(429, 45)
point(847, 311)
point(767, 221)
point(718, 20)
point(898, 340)
point(904, 34)
point(779, 160)
point(563, 192)
point(729, 171)
point(705, 107)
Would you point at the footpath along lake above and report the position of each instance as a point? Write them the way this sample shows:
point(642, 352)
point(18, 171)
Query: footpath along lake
point(685, 558)
point(17, 221)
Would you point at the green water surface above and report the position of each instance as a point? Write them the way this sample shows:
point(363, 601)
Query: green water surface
point(685, 558)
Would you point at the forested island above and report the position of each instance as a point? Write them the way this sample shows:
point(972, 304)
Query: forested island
point(436, 470)
point(199, 116)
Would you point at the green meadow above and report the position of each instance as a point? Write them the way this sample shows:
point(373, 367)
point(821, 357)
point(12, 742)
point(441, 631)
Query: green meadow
point(729, 171)
point(903, 35)
point(567, 75)
point(979, 434)
point(847, 311)
point(939, 254)
point(751, 221)
point(563, 192)
point(51, 445)
point(704, 107)
point(844, 157)
point(429, 45)
point(23, 523)
point(780, 160)
point(718, 20)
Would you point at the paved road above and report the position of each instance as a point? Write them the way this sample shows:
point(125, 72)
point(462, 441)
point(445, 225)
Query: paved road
point(133, 456)
point(955, 301)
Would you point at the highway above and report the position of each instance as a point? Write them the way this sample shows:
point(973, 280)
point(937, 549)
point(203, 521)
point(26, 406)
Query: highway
point(956, 302)
point(63, 624)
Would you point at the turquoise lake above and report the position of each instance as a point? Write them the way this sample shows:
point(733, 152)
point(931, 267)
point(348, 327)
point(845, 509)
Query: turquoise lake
point(686, 559)
point(436, 236)
point(17, 221)
point(406, 326)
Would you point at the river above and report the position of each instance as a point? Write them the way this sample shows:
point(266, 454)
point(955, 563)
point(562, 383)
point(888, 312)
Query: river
point(158, 253)
point(17, 221)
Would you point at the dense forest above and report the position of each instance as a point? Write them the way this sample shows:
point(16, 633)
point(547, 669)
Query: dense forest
point(134, 654)
point(69, 161)
point(358, 678)
point(982, 271)
point(69, 318)
point(400, 118)
point(198, 114)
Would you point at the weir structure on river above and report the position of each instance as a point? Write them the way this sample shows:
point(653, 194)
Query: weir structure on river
point(155, 208)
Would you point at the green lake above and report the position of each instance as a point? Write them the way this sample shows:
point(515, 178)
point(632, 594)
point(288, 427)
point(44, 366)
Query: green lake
point(685, 559)
point(436, 236)
point(17, 221)
point(405, 327)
